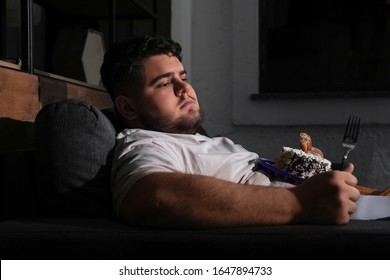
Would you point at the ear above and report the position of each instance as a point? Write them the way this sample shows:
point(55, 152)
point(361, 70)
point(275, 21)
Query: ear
point(126, 107)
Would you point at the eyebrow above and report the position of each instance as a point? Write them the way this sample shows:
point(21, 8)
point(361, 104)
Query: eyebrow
point(165, 75)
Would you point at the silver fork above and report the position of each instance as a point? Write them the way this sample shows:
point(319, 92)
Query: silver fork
point(350, 137)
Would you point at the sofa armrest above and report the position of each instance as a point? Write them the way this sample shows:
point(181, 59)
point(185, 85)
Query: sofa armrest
point(17, 184)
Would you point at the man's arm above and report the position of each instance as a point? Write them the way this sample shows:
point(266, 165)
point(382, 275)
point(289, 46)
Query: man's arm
point(185, 201)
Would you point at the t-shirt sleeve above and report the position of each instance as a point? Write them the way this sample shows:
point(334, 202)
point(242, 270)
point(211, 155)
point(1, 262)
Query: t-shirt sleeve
point(133, 162)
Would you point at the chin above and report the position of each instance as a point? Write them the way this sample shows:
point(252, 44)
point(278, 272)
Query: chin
point(195, 115)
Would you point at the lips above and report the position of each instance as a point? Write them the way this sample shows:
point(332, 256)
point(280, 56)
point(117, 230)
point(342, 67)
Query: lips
point(187, 103)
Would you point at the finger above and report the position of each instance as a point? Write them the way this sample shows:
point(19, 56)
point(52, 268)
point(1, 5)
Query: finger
point(349, 168)
point(354, 194)
point(348, 177)
point(352, 208)
point(316, 151)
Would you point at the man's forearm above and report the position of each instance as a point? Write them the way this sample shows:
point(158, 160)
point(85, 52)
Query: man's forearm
point(182, 200)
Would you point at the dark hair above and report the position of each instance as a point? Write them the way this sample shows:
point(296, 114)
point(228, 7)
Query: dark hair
point(121, 61)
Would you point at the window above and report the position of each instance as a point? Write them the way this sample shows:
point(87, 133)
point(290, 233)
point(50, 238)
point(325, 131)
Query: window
point(334, 48)
point(288, 107)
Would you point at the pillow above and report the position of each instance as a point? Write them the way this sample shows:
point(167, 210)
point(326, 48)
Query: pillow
point(74, 145)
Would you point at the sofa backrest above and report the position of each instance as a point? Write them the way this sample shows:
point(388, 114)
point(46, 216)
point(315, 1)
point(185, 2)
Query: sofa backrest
point(74, 145)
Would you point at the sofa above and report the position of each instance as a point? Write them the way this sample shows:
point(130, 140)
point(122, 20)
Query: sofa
point(56, 204)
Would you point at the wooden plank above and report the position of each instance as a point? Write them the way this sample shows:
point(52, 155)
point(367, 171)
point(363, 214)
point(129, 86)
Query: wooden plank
point(52, 90)
point(18, 95)
point(9, 64)
point(68, 80)
point(19, 105)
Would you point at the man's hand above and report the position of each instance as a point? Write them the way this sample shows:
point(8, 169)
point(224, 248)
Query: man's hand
point(328, 198)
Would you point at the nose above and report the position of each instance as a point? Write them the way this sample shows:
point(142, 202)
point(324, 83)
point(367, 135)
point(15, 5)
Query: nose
point(181, 87)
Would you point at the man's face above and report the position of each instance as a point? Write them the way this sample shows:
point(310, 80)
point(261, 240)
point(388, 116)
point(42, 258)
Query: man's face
point(166, 102)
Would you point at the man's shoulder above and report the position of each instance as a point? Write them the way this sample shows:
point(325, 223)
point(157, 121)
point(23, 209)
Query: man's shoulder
point(137, 133)
point(149, 141)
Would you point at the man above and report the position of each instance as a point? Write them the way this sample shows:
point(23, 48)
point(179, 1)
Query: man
point(165, 174)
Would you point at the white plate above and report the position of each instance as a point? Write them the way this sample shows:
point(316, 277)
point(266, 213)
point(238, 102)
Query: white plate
point(372, 207)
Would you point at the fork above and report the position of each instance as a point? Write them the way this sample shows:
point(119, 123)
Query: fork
point(350, 137)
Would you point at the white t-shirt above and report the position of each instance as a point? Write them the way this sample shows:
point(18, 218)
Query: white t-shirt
point(141, 152)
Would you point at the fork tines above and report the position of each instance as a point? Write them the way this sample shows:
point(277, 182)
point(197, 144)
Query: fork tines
point(350, 137)
point(352, 128)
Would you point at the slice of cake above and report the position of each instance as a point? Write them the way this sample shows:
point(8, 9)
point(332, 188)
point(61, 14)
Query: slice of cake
point(306, 162)
point(300, 163)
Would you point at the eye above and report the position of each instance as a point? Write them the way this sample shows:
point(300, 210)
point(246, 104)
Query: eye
point(165, 84)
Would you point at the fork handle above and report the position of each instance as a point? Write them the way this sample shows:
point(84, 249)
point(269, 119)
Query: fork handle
point(342, 164)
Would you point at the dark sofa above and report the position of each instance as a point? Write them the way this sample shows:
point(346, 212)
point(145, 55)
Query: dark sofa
point(56, 204)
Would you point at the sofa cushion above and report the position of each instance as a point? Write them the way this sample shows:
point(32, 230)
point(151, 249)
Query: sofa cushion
point(74, 144)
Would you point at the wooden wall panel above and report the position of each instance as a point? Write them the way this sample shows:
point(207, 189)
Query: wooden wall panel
point(22, 95)
point(52, 90)
point(19, 99)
